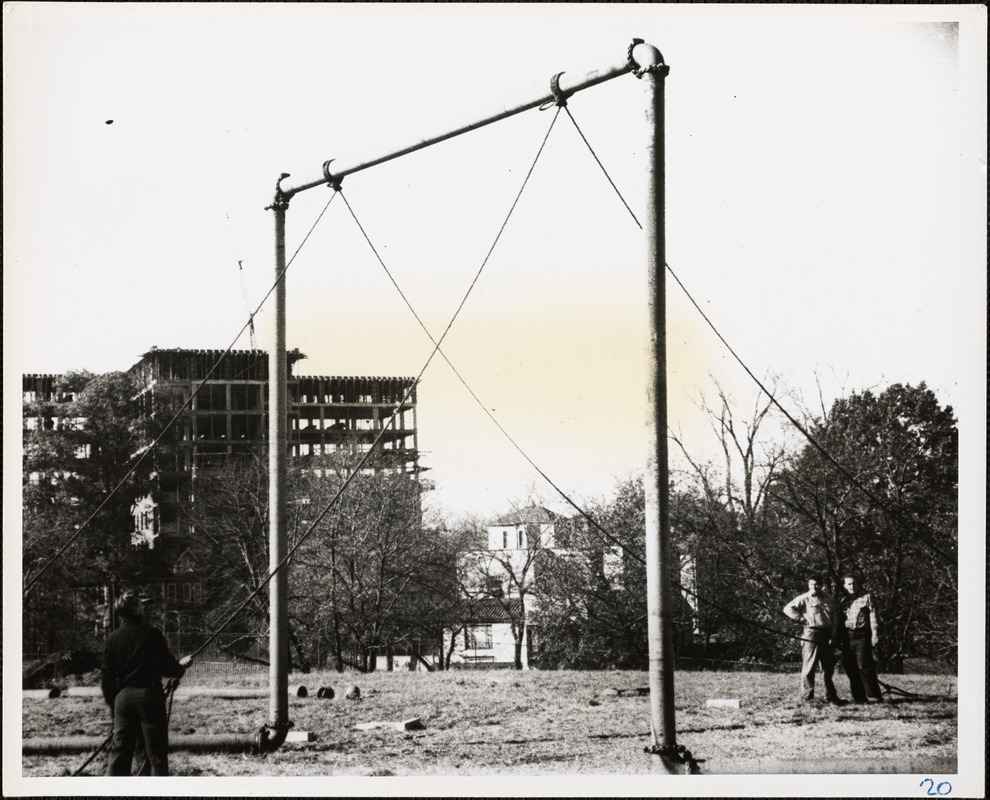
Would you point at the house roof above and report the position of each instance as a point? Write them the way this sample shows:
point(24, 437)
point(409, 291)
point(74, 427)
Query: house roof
point(489, 609)
point(528, 515)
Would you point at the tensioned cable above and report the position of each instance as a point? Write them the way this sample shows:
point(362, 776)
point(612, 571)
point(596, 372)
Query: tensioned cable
point(172, 421)
point(828, 456)
point(374, 444)
point(896, 515)
point(608, 177)
point(484, 262)
point(150, 448)
point(430, 335)
point(408, 393)
point(504, 432)
point(615, 541)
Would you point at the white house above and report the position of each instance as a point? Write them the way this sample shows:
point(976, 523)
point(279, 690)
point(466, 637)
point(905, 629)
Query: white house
point(498, 583)
point(485, 638)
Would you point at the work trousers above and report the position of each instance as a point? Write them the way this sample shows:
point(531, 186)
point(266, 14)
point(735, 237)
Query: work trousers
point(817, 649)
point(139, 714)
point(857, 660)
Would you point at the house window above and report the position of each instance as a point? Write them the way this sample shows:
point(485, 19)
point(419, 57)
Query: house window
point(493, 586)
point(170, 591)
point(505, 540)
point(519, 539)
point(478, 637)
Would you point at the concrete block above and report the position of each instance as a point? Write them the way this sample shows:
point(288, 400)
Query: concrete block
point(370, 726)
point(722, 703)
point(413, 724)
point(41, 694)
point(83, 691)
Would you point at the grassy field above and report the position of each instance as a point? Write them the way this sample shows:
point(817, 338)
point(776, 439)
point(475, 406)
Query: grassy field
point(532, 723)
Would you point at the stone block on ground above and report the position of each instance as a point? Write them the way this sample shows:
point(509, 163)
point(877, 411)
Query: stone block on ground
point(412, 724)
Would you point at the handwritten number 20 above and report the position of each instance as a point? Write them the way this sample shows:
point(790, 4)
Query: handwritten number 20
point(934, 790)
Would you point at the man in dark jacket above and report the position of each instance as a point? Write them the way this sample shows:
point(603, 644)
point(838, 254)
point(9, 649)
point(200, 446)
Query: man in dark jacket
point(135, 659)
point(858, 621)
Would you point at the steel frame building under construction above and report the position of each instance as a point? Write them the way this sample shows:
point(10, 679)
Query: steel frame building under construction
point(328, 417)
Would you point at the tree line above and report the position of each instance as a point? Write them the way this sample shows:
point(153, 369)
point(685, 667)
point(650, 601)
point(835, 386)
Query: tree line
point(876, 493)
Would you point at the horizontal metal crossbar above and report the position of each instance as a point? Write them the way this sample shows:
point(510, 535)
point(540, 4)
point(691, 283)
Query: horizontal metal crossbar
point(638, 58)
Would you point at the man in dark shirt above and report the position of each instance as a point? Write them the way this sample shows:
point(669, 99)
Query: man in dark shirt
point(135, 659)
point(858, 629)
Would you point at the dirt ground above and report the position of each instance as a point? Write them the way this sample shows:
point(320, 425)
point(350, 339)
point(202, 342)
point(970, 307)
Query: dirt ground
point(533, 723)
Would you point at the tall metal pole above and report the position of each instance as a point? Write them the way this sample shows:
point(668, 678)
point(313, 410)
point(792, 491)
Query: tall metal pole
point(647, 63)
point(278, 642)
point(658, 597)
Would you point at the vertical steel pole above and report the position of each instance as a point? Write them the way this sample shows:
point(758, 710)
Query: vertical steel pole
point(278, 643)
point(652, 71)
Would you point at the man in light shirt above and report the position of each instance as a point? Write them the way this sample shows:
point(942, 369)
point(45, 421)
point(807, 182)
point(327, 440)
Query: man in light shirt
point(858, 629)
point(813, 610)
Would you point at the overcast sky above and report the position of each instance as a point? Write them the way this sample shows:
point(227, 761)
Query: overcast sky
point(825, 206)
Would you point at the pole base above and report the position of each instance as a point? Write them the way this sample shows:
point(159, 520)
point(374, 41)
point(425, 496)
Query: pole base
point(677, 760)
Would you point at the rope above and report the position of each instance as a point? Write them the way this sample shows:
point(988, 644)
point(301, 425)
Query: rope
point(171, 685)
point(892, 690)
point(614, 540)
point(357, 469)
point(430, 335)
point(93, 755)
point(484, 408)
point(378, 438)
point(150, 448)
point(608, 177)
point(484, 262)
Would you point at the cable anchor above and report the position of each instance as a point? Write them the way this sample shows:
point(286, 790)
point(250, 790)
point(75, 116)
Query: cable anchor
point(281, 201)
point(559, 96)
point(677, 759)
point(333, 181)
point(272, 735)
point(661, 69)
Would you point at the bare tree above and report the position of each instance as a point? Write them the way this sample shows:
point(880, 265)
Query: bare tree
point(724, 523)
